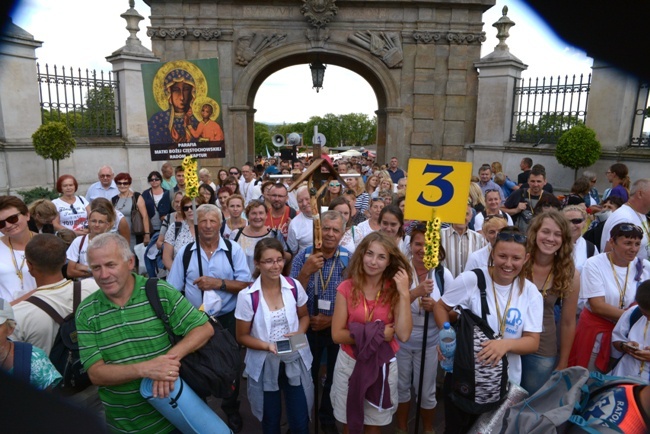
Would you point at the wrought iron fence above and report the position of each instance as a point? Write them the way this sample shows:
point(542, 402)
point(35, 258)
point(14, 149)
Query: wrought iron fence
point(87, 102)
point(544, 109)
point(640, 133)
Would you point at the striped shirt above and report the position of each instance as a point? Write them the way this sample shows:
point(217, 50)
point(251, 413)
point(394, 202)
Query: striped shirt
point(458, 247)
point(131, 334)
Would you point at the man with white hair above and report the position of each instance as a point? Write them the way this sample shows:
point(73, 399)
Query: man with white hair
point(635, 212)
point(105, 187)
point(249, 186)
point(206, 178)
point(301, 228)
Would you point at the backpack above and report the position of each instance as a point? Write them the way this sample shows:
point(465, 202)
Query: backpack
point(187, 256)
point(65, 350)
point(476, 388)
point(591, 249)
point(559, 406)
point(212, 369)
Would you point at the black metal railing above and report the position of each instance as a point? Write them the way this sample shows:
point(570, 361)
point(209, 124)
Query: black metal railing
point(641, 128)
point(89, 103)
point(544, 109)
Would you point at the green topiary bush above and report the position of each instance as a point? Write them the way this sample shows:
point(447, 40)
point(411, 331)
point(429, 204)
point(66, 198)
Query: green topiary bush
point(33, 194)
point(578, 148)
point(53, 141)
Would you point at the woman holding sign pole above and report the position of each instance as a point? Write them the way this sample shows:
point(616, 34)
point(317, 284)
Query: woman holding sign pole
point(270, 310)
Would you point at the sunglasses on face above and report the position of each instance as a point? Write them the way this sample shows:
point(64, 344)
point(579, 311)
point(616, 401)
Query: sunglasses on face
point(576, 221)
point(234, 173)
point(335, 184)
point(187, 208)
point(12, 219)
point(154, 179)
point(509, 236)
point(123, 183)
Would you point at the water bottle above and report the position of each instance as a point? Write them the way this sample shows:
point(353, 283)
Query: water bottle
point(447, 347)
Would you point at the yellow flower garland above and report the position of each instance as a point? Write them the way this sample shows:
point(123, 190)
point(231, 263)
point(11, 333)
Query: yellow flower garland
point(190, 166)
point(432, 243)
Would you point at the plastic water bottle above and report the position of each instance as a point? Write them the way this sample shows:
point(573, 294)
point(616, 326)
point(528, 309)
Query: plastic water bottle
point(447, 346)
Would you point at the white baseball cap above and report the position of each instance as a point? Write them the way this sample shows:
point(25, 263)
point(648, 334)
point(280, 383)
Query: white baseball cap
point(6, 311)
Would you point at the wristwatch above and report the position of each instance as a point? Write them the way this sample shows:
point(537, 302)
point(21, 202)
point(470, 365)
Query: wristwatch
point(223, 285)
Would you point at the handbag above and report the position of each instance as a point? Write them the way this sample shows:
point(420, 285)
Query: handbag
point(137, 222)
point(212, 369)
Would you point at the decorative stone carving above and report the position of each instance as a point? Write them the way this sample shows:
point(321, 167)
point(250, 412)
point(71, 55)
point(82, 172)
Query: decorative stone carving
point(319, 12)
point(385, 45)
point(166, 33)
point(426, 37)
point(249, 46)
point(207, 34)
point(180, 33)
point(318, 36)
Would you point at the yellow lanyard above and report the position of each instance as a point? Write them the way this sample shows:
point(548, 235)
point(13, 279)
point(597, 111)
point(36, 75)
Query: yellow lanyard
point(320, 272)
point(623, 290)
point(372, 311)
point(501, 320)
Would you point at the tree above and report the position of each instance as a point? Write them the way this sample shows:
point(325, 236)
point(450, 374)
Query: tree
point(263, 140)
point(53, 141)
point(549, 127)
point(578, 148)
point(99, 114)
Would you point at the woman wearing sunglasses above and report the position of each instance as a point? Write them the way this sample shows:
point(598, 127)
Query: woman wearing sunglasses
point(551, 269)
point(73, 210)
point(280, 311)
point(15, 279)
point(582, 249)
point(126, 202)
point(333, 192)
point(157, 201)
point(176, 241)
point(608, 283)
point(515, 314)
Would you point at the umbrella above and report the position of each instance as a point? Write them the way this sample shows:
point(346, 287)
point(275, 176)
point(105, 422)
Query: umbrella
point(351, 153)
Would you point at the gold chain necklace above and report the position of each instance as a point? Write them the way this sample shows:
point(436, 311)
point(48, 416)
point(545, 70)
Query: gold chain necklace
point(19, 270)
point(623, 290)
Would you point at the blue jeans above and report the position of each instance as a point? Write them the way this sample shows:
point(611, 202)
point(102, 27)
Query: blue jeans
point(295, 403)
point(535, 370)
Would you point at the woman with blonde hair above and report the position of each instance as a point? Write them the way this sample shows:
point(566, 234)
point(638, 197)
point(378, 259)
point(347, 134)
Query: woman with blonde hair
point(235, 205)
point(476, 198)
point(43, 216)
point(552, 270)
point(356, 183)
point(372, 183)
point(373, 303)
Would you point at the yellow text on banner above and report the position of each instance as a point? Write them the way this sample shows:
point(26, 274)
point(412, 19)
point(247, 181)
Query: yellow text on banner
point(439, 185)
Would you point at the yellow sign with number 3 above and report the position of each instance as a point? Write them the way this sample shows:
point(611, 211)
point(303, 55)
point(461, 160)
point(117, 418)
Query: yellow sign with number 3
point(439, 185)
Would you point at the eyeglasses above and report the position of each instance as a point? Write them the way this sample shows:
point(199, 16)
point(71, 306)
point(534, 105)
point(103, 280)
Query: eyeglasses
point(377, 199)
point(576, 221)
point(626, 228)
point(154, 179)
point(270, 262)
point(335, 184)
point(496, 216)
point(234, 173)
point(490, 190)
point(509, 236)
point(187, 208)
point(123, 183)
point(12, 219)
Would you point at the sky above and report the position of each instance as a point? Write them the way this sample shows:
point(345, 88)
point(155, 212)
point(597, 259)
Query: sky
point(78, 35)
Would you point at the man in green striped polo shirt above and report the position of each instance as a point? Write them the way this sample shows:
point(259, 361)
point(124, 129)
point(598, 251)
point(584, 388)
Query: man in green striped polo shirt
point(121, 341)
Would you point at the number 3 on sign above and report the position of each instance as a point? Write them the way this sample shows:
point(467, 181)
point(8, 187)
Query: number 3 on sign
point(439, 185)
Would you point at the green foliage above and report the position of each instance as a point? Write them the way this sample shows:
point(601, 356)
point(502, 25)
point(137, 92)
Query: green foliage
point(30, 196)
point(263, 139)
point(53, 141)
point(549, 128)
point(95, 118)
point(578, 148)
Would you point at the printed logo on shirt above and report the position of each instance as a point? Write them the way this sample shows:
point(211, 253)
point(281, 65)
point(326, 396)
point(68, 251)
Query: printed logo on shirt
point(513, 321)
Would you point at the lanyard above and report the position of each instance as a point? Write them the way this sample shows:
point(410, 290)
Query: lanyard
point(372, 311)
point(279, 225)
point(502, 320)
point(544, 289)
point(320, 273)
point(645, 331)
point(623, 290)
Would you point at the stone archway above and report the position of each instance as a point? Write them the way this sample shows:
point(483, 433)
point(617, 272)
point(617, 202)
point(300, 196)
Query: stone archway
point(418, 56)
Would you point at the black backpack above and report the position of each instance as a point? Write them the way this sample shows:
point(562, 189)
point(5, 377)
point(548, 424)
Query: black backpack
point(476, 388)
point(65, 351)
point(213, 368)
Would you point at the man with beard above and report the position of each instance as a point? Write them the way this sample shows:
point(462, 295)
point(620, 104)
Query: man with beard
point(280, 214)
point(520, 204)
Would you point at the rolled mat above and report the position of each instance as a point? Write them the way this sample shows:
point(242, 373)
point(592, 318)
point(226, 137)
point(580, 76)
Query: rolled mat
point(184, 409)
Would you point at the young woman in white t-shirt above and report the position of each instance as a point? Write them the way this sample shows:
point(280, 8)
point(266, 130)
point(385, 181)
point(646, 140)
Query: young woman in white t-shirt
point(515, 307)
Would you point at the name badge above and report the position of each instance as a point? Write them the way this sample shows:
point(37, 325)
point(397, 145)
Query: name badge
point(324, 304)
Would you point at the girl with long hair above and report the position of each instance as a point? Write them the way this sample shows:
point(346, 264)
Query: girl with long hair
point(552, 270)
point(334, 191)
point(515, 314)
point(235, 205)
point(373, 303)
point(363, 198)
point(391, 222)
point(372, 224)
point(281, 312)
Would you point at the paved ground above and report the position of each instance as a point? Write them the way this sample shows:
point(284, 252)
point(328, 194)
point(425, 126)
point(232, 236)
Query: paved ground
point(252, 425)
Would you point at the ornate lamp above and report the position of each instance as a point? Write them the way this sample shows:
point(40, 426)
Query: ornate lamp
point(317, 74)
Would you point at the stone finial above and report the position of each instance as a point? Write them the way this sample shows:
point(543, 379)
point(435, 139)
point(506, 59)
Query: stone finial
point(503, 25)
point(133, 19)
